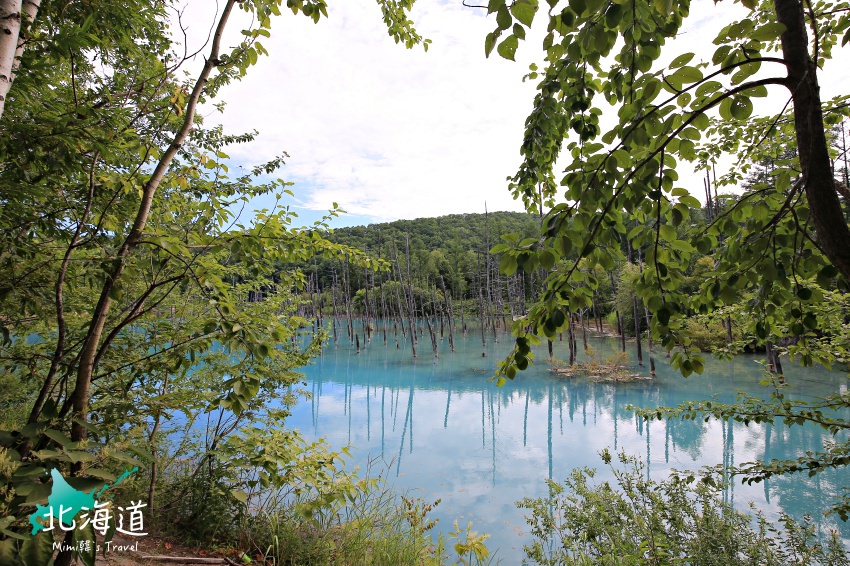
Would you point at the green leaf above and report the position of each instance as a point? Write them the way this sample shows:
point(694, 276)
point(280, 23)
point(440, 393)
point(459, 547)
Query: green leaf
point(508, 47)
point(86, 544)
point(688, 75)
point(707, 88)
point(667, 232)
point(507, 264)
point(682, 59)
point(759, 91)
point(494, 5)
point(58, 437)
point(9, 552)
point(726, 109)
point(37, 551)
point(741, 108)
point(104, 475)
point(564, 245)
point(521, 362)
point(77, 456)
point(614, 16)
point(690, 201)
point(524, 11)
point(768, 31)
point(503, 18)
point(578, 7)
point(682, 246)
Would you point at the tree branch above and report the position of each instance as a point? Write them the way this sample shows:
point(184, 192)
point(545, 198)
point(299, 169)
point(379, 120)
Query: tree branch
point(81, 393)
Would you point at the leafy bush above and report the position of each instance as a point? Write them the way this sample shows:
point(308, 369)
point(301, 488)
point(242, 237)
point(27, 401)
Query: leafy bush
point(706, 336)
point(675, 521)
point(283, 500)
point(368, 524)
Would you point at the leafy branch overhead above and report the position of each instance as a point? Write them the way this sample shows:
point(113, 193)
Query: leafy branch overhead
point(621, 124)
point(618, 124)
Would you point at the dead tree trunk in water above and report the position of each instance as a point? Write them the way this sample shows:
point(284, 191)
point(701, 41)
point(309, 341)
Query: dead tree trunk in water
point(334, 311)
point(438, 311)
point(638, 349)
point(367, 322)
point(583, 330)
point(462, 315)
point(383, 313)
point(398, 289)
point(774, 364)
point(346, 291)
point(430, 331)
point(648, 327)
point(597, 320)
point(620, 326)
point(483, 324)
point(449, 314)
point(411, 315)
point(649, 340)
point(481, 309)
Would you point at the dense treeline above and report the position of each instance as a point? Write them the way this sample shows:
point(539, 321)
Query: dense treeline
point(453, 267)
point(424, 268)
point(487, 268)
point(452, 248)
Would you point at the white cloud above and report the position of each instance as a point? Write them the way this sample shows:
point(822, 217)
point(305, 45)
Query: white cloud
point(384, 131)
point(393, 133)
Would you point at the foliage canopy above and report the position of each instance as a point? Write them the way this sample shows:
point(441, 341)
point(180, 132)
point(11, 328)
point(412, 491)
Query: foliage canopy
point(624, 116)
point(129, 291)
point(783, 240)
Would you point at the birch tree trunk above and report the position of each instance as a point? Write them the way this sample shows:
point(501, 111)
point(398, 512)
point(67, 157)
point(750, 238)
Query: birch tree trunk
point(15, 18)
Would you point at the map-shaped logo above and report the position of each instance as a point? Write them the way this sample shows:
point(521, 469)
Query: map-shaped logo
point(65, 503)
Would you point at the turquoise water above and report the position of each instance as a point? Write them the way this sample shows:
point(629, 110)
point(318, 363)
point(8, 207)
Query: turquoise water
point(444, 431)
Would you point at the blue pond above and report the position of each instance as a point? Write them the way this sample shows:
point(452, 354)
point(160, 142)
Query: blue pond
point(440, 428)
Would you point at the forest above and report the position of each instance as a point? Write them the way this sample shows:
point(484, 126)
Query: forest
point(152, 341)
point(460, 266)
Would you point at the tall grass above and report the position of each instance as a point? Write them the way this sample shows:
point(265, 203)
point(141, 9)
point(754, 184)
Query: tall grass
point(348, 518)
point(374, 525)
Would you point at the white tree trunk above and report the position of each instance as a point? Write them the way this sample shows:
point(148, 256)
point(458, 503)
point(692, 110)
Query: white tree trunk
point(15, 18)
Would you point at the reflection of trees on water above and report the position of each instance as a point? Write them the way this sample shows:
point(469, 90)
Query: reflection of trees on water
point(686, 436)
point(800, 491)
point(384, 391)
point(578, 401)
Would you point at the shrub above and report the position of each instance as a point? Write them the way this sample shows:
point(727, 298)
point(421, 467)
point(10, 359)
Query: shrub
point(675, 521)
point(706, 336)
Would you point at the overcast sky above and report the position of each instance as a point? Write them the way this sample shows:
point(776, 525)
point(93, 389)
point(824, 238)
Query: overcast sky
point(391, 133)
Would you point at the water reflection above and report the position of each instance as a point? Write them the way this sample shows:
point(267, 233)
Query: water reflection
point(446, 432)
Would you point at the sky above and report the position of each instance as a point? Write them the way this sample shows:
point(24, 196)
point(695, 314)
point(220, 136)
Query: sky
point(386, 132)
point(390, 133)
